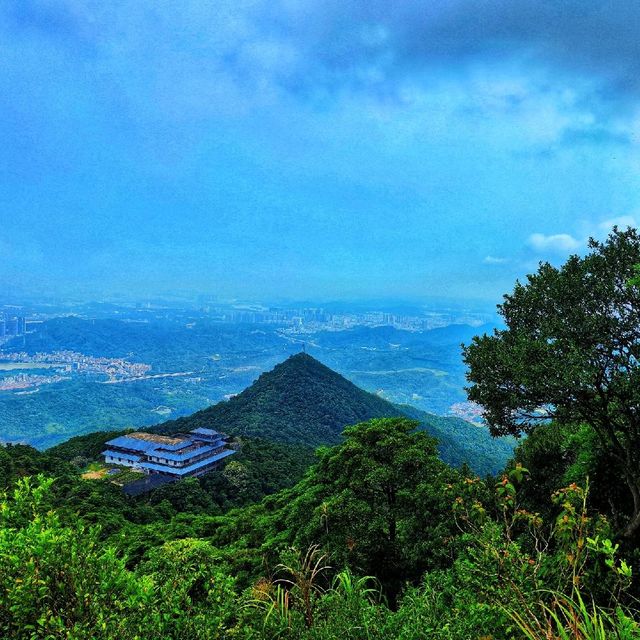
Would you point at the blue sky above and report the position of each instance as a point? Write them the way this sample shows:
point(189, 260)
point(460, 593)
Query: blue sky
point(311, 150)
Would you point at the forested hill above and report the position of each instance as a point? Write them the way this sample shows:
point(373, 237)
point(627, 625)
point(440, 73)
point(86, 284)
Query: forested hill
point(461, 441)
point(299, 401)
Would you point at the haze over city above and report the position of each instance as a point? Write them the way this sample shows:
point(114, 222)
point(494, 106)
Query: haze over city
point(302, 150)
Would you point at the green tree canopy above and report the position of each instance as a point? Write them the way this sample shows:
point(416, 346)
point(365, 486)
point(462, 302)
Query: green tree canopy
point(569, 353)
point(378, 502)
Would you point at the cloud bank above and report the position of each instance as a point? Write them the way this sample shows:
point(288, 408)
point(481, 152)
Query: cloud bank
point(303, 45)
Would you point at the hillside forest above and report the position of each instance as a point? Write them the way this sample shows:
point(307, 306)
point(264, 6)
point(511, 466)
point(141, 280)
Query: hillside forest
point(363, 531)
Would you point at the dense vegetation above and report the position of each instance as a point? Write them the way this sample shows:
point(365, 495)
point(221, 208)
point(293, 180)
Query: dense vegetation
point(461, 442)
point(379, 538)
point(570, 352)
point(259, 469)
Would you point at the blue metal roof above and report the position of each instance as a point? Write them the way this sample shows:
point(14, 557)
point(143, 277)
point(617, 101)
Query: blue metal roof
point(132, 443)
point(175, 447)
point(205, 432)
point(206, 441)
point(122, 455)
point(145, 446)
point(182, 456)
point(182, 471)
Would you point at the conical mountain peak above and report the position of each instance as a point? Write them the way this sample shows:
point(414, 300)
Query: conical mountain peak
point(299, 401)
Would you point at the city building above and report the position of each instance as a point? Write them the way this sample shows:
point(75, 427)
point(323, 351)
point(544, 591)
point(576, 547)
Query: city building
point(179, 456)
point(12, 326)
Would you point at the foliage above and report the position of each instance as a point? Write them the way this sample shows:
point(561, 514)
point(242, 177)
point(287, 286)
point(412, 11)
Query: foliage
point(571, 453)
point(304, 573)
point(17, 460)
point(57, 581)
point(570, 352)
point(460, 442)
point(183, 509)
point(259, 469)
point(197, 597)
point(376, 503)
point(379, 540)
point(570, 618)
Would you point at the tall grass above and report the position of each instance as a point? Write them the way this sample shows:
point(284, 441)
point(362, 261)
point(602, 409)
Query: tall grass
point(571, 618)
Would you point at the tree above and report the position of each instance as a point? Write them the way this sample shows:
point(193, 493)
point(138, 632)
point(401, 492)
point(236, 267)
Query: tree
point(377, 503)
point(566, 454)
point(570, 353)
point(58, 581)
point(196, 596)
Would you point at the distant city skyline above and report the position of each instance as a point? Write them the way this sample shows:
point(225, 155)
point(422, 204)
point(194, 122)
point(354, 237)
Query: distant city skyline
point(17, 320)
point(337, 151)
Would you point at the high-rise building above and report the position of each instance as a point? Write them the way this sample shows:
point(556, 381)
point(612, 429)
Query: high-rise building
point(11, 325)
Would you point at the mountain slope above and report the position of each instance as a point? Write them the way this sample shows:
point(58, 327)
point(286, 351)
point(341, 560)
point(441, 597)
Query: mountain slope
point(299, 401)
point(460, 441)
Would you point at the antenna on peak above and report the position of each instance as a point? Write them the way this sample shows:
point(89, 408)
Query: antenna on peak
point(304, 347)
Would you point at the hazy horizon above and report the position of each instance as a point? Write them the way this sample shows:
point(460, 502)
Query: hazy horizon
point(296, 150)
point(201, 302)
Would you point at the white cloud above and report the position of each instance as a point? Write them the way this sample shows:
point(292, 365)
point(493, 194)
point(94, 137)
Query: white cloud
point(622, 222)
point(495, 260)
point(563, 243)
point(558, 243)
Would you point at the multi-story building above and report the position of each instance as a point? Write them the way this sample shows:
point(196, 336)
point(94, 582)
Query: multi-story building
point(12, 325)
point(179, 456)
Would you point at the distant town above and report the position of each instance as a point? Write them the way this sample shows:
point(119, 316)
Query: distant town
point(114, 369)
point(312, 319)
point(469, 411)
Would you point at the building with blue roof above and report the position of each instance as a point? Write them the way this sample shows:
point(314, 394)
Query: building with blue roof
point(179, 456)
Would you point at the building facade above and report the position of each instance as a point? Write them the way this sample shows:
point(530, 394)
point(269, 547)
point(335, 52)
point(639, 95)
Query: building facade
point(179, 456)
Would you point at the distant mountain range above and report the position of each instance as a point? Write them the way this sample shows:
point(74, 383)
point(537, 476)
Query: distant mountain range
point(301, 401)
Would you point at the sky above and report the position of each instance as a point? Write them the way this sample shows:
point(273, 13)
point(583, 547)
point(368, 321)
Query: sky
point(297, 149)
